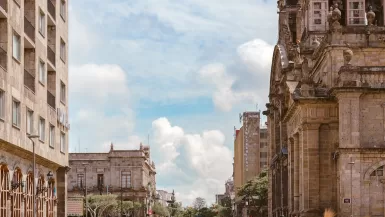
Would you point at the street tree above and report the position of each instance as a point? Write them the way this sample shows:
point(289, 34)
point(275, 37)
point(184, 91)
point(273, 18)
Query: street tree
point(96, 204)
point(256, 192)
point(199, 203)
point(160, 210)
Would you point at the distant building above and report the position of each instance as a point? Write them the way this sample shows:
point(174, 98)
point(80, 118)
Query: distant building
point(250, 151)
point(164, 197)
point(126, 172)
point(219, 198)
point(229, 187)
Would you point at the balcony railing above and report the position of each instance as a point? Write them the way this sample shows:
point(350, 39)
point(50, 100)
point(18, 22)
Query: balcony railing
point(29, 80)
point(3, 4)
point(29, 29)
point(3, 58)
point(51, 55)
point(51, 9)
point(51, 99)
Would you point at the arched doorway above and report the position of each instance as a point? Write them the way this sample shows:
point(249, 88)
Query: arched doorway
point(40, 195)
point(4, 189)
point(29, 196)
point(17, 192)
point(50, 198)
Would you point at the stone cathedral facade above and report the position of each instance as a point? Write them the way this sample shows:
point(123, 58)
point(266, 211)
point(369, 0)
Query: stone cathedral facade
point(326, 110)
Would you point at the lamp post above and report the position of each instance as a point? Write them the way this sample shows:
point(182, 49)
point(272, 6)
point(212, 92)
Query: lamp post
point(85, 181)
point(31, 137)
point(351, 186)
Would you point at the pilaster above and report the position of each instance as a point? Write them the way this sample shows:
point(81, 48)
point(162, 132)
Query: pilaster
point(349, 116)
point(310, 187)
point(296, 172)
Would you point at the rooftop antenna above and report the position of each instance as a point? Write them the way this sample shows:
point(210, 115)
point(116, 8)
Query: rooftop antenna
point(235, 132)
point(240, 118)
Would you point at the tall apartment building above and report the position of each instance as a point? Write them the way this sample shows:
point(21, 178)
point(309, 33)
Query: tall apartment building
point(326, 110)
point(33, 101)
point(250, 150)
point(129, 174)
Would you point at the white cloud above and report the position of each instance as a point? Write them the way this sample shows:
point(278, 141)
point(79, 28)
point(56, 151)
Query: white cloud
point(204, 154)
point(100, 111)
point(256, 54)
point(224, 97)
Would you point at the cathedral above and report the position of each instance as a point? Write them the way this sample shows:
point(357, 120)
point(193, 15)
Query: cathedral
point(326, 110)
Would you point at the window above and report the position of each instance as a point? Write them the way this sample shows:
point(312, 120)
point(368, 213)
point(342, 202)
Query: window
point(263, 154)
point(42, 23)
point(16, 51)
point(80, 180)
point(62, 142)
point(63, 9)
point(52, 135)
point(378, 172)
point(4, 188)
point(62, 92)
point(62, 50)
point(356, 12)
point(2, 104)
point(100, 180)
point(16, 113)
point(29, 121)
point(42, 72)
point(126, 179)
point(318, 14)
point(42, 129)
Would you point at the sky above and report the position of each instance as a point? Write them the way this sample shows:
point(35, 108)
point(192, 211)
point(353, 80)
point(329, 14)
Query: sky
point(174, 74)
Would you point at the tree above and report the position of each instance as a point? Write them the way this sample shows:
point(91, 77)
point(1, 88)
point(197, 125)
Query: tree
point(96, 204)
point(225, 209)
point(160, 210)
point(124, 207)
point(199, 203)
point(256, 191)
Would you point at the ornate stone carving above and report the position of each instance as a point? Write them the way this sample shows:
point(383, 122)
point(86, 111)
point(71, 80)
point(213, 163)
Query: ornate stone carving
point(334, 17)
point(348, 54)
point(370, 16)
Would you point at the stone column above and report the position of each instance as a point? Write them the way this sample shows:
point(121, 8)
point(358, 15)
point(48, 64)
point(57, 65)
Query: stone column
point(291, 175)
point(61, 192)
point(310, 161)
point(296, 172)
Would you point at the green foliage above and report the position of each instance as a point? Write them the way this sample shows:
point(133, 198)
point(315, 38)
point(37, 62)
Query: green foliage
point(160, 210)
point(97, 204)
point(256, 191)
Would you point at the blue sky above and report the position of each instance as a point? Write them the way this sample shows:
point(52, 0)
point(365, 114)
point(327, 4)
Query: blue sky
point(179, 71)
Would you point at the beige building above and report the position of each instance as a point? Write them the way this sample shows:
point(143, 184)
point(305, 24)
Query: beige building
point(126, 173)
point(33, 101)
point(250, 150)
point(326, 111)
point(164, 197)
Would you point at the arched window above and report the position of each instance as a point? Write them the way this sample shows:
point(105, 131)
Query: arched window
point(50, 198)
point(29, 196)
point(4, 188)
point(17, 193)
point(378, 172)
point(40, 197)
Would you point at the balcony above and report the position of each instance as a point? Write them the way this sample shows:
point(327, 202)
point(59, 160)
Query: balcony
point(29, 29)
point(362, 76)
point(3, 59)
point(3, 6)
point(29, 80)
point(51, 55)
point(51, 99)
point(51, 9)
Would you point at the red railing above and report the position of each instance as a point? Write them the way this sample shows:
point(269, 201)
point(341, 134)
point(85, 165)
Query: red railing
point(29, 29)
point(51, 99)
point(51, 55)
point(51, 9)
point(3, 4)
point(3, 58)
point(29, 80)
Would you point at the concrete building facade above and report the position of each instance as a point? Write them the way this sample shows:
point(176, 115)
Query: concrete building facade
point(126, 173)
point(33, 101)
point(326, 109)
point(250, 152)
